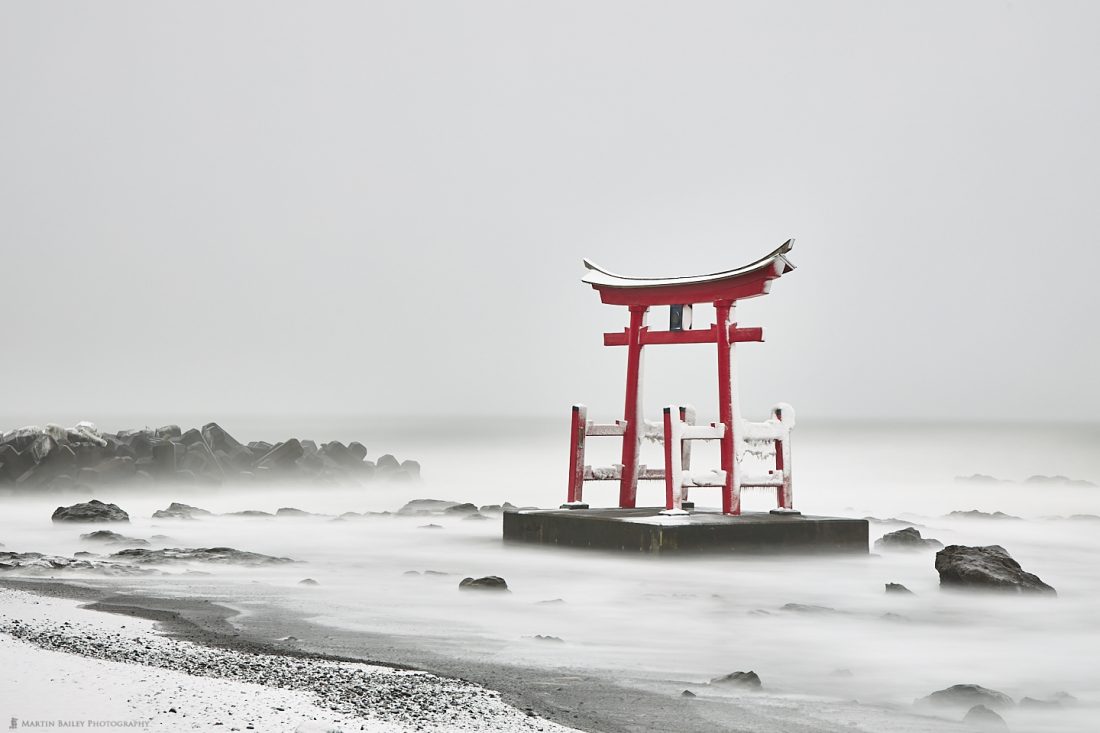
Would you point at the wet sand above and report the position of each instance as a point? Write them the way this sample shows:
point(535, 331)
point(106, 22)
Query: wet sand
point(574, 699)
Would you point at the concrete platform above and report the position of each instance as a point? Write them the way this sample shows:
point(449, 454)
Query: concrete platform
point(646, 530)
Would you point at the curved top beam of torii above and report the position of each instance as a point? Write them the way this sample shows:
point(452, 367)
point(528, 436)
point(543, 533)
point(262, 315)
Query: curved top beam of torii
point(746, 281)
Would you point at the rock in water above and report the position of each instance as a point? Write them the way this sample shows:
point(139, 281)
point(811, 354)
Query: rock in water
point(308, 581)
point(687, 693)
point(905, 539)
point(176, 510)
point(898, 588)
point(106, 535)
point(226, 555)
point(986, 568)
point(749, 680)
point(419, 507)
point(967, 696)
point(489, 582)
point(91, 511)
point(982, 717)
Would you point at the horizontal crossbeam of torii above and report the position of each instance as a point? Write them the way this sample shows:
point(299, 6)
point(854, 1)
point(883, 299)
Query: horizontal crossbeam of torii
point(723, 290)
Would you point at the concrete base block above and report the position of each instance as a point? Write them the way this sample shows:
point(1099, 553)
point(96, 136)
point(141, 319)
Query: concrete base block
point(646, 530)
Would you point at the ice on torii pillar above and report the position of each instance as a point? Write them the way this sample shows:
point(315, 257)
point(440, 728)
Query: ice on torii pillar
point(639, 294)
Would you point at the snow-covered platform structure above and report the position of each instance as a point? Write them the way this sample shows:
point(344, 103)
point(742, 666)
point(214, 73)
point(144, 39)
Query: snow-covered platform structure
point(752, 455)
point(647, 530)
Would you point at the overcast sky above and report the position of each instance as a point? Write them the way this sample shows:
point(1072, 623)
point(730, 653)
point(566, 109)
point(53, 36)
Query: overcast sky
point(381, 207)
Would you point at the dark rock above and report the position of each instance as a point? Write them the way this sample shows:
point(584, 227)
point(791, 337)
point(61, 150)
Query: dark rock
point(412, 572)
point(114, 538)
point(898, 588)
point(967, 696)
point(282, 455)
point(14, 463)
point(358, 450)
point(339, 454)
point(985, 568)
point(164, 458)
point(975, 514)
point(687, 693)
point(168, 432)
point(544, 637)
point(308, 581)
point(982, 717)
point(176, 510)
point(461, 509)
point(216, 437)
point(905, 539)
point(191, 437)
point(91, 511)
point(420, 507)
point(226, 555)
point(489, 582)
point(748, 680)
point(249, 513)
point(387, 463)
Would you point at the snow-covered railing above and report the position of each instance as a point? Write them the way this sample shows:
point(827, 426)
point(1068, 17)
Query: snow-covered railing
point(768, 440)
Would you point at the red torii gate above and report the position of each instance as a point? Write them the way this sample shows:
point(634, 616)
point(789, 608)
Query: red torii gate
point(723, 290)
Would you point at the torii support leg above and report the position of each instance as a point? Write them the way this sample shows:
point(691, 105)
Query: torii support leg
point(632, 437)
point(731, 499)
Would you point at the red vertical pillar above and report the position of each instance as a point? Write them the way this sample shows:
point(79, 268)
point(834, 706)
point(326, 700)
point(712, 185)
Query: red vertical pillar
point(632, 412)
point(577, 433)
point(731, 500)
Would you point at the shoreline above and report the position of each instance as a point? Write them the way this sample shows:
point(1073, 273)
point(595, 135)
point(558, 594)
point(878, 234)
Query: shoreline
point(574, 699)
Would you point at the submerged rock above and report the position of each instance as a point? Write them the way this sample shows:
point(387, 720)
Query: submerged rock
point(91, 511)
point(975, 514)
point(748, 680)
point(308, 581)
point(981, 478)
point(421, 507)
point(898, 588)
point(176, 510)
point(489, 582)
point(982, 717)
point(986, 568)
point(688, 693)
point(1057, 481)
point(227, 555)
point(905, 539)
point(807, 608)
point(967, 696)
point(106, 535)
point(287, 511)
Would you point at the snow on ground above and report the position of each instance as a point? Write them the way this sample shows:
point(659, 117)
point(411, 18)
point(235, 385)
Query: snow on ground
point(64, 666)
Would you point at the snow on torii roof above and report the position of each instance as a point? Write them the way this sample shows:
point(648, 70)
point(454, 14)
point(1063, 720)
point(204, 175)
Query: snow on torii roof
point(743, 282)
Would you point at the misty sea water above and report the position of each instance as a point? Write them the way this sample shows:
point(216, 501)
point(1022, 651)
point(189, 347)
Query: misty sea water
point(852, 658)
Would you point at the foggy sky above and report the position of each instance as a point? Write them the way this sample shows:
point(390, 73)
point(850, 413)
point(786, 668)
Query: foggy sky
point(381, 207)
